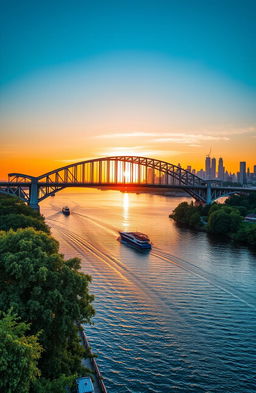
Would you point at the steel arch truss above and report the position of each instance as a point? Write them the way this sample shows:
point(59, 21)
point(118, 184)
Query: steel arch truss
point(114, 172)
point(126, 170)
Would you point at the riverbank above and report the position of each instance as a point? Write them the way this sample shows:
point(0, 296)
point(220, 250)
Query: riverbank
point(232, 220)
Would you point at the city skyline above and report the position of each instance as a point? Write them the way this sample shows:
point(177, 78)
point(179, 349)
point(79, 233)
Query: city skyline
point(163, 80)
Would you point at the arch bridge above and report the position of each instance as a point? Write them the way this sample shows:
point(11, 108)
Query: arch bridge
point(119, 172)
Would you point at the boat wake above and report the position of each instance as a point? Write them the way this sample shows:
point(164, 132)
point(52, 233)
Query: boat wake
point(212, 279)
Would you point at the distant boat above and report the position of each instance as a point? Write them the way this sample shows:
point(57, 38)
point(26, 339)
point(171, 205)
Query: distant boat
point(66, 211)
point(137, 239)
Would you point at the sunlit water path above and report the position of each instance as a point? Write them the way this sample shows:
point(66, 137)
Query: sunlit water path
point(181, 318)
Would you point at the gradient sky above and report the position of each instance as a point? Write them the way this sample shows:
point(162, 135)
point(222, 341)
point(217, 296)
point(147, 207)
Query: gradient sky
point(167, 79)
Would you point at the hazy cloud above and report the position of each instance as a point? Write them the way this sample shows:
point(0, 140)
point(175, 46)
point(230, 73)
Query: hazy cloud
point(184, 136)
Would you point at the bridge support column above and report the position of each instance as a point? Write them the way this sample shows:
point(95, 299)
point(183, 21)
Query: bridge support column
point(33, 198)
point(209, 194)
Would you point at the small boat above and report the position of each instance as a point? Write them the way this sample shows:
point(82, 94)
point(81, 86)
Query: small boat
point(84, 385)
point(137, 239)
point(66, 211)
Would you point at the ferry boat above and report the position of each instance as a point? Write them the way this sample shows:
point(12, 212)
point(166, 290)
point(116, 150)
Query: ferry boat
point(136, 239)
point(66, 211)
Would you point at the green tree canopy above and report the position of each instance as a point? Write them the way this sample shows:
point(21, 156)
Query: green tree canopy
point(186, 214)
point(223, 221)
point(47, 292)
point(246, 234)
point(10, 204)
point(15, 221)
point(19, 355)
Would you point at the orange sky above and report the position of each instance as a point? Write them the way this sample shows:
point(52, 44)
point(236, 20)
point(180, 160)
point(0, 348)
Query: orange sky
point(37, 157)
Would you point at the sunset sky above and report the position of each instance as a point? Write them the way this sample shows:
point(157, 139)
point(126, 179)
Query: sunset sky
point(164, 79)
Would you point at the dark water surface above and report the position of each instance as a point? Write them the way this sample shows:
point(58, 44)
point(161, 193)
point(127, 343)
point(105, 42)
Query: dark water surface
point(181, 318)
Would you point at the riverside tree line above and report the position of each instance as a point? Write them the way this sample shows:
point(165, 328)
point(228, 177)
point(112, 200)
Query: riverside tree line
point(225, 220)
point(43, 298)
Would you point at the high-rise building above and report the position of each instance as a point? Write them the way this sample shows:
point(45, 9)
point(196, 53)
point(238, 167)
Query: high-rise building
point(220, 169)
point(254, 169)
point(201, 173)
point(242, 173)
point(208, 167)
point(189, 168)
point(213, 168)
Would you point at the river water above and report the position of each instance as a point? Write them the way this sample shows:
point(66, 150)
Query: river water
point(181, 318)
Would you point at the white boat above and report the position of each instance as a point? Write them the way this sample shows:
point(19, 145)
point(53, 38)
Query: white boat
point(136, 239)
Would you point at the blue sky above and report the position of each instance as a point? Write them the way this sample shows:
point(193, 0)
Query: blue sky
point(140, 69)
point(219, 35)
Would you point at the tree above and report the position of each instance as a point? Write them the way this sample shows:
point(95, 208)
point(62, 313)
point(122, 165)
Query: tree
point(47, 292)
point(246, 234)
point(14, 205)
point(186, 214)
point(57, 385)
point(194, 220)
point(15, 221)
point(235, 221)
point(179, 214)
point(219, 222)
point(224, 221)
point(19, 355)
point(213, 208)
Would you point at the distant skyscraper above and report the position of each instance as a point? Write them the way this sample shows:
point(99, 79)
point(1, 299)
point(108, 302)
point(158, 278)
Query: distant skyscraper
point(213, 168)
point(208, 167)
point(242, 173)
point(220, 169)
point(189, 168)
point(254, 169)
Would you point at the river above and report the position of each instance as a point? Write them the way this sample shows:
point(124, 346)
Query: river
point(181, 318)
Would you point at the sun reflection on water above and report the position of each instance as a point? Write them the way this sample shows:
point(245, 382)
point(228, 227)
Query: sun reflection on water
point(126, 205)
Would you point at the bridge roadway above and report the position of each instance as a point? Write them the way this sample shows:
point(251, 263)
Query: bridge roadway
point(121, 186)
point(125, 185)
point(216, 191)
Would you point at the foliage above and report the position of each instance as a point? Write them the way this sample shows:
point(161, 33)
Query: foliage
point(15, 221)
point(248, 202)
point(194, 220)
point(19, 355)
point(56, 385)
point(246, 234)
point(186, 214)
point(14, 205)
point(47, 292)
point(223, 222)
point(221, 219)
point(15, 214)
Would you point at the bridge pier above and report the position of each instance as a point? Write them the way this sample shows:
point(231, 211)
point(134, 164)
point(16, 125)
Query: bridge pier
point(33, 199)
point(209, 194)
